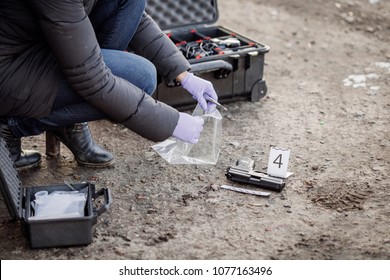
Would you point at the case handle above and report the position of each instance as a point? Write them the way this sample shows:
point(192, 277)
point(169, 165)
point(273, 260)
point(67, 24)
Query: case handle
point(106, 193)
point(210, 66)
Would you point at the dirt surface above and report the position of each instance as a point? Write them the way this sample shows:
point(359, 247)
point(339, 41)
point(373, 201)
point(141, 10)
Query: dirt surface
point(335, 206)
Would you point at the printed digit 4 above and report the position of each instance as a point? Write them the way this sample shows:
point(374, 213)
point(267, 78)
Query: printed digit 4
point(278, 160)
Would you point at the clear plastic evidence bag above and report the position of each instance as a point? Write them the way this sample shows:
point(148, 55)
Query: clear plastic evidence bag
point(206, 151)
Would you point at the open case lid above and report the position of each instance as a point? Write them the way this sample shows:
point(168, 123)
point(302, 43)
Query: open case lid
point(10, 185)
point(171, 14)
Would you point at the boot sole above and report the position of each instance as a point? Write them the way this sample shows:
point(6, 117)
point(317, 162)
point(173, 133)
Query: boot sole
point(28, 167)
point(96, 165)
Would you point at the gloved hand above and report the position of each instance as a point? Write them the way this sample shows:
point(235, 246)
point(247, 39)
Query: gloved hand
point(188, 128)
point(200, 89)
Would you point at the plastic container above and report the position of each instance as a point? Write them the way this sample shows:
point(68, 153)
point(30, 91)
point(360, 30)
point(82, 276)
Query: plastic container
point(236, 70)
point(55, 231)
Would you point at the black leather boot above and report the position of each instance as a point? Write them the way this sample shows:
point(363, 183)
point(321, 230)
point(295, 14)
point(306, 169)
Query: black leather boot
point(79, 141)
point(23, 159)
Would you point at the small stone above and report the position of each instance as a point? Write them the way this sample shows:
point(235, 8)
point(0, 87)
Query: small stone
point(152, 211)
point(359, 114)
point(235, 144)
point(119, 251)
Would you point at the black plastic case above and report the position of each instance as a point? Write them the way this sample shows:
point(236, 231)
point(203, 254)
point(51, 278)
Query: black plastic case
point(236, 73)
point(61, 232)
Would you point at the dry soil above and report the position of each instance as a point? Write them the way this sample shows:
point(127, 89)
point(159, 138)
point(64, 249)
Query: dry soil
point(328, 101)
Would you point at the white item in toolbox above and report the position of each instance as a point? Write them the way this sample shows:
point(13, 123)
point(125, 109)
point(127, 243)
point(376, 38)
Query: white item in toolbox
point(59, 204)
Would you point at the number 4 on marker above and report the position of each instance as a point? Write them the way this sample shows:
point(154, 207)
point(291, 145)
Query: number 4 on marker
point(278, 162)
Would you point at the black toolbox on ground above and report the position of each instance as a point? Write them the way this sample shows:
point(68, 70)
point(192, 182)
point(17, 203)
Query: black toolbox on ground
point(50, 232)
point(233, 63)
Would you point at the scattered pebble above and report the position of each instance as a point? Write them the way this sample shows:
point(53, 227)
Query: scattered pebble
point(235, 144)
point(359, 114)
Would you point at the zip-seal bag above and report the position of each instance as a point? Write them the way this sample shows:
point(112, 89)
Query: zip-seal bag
point(206, 151)
point(59, 204)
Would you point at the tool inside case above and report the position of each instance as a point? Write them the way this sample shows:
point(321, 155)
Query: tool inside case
point(232, 62)
point(196, 44)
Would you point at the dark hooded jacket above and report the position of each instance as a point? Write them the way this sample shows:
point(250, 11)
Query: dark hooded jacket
point(39, 39)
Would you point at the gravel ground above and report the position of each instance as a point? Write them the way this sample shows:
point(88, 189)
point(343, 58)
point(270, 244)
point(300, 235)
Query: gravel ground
point(328, 101)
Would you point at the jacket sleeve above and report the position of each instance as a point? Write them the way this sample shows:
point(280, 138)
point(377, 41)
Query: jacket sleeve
point(71, 37)
point(149, 41)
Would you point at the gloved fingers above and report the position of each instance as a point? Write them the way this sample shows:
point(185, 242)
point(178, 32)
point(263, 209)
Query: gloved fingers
point(197, 130)
point(189, 128)
point(201, 90)
point(210, 92)
point(203, 103)
point(201, 100)
point(199, 127)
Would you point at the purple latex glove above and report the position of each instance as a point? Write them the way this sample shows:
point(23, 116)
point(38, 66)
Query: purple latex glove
point(188, 128)
point(200, 89)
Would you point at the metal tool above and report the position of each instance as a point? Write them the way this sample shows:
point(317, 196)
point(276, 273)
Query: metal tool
point(216, 102)
point(241, 190)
